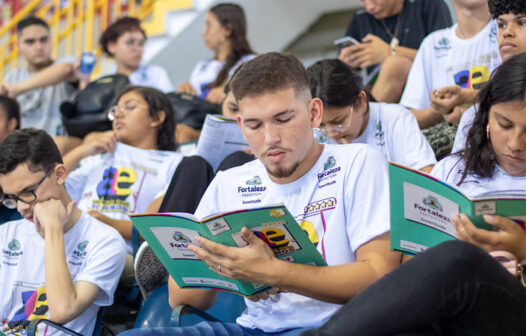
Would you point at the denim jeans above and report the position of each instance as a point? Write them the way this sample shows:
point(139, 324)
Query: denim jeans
point(208, 329)
point(454, 288)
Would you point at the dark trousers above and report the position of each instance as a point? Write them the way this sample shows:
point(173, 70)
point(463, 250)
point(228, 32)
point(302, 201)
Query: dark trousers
point(454, 288)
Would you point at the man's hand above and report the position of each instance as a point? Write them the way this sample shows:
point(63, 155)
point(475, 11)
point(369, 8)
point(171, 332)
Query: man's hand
point(509, 237)
point(251, 263)
point(8, 89)
point(52, 215)
point(186, 87)
point(373, 50)
point(455, 115)
point(216, 95)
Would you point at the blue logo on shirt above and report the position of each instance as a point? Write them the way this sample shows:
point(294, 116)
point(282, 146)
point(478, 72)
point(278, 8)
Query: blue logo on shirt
point(14, 245)
point(256, 180)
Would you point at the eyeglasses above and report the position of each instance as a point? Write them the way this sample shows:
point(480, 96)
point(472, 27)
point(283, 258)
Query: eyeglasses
point(28, 196)
point(339, 128)
point(124, 109)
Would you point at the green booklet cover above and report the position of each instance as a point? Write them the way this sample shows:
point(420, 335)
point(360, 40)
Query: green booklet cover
point(169, 235)
point(421, 206)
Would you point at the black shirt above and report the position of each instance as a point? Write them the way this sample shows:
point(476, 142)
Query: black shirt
point(419, 18)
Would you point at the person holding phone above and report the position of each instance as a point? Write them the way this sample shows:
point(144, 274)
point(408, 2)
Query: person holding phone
point(390, 32)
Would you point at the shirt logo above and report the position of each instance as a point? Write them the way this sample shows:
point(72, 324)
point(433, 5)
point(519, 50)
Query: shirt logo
point(114, 189)
point(14, 245)
point(81, 252)
point(82, 245)
point(256, 180)
point(328, 168)
point(379, 135)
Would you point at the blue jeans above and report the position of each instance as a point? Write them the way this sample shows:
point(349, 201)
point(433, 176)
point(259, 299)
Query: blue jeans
point(454, 288)
point(208, 329)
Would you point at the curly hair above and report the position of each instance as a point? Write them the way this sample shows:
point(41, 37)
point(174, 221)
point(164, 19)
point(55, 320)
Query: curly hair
point(117, 29)
point(507, 83)
point(157, 101)
point(499, 7)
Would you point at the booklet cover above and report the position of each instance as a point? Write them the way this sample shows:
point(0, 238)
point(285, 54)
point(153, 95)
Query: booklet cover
point(421, 206)
point(169, 235)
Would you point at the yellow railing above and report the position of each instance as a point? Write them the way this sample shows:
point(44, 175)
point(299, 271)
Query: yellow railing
point(73, 24)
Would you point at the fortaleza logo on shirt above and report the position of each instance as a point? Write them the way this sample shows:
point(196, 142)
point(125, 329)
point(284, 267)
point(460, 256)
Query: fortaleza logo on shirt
point(443, 44)
point(253, 186)
point(329, 168)
point(13, 249)
point(493, 33)
point(80, 251)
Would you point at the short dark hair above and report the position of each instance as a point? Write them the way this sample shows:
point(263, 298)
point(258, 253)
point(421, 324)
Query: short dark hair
point(499, 7)
point(29, 145)
point(11, 108)
point(157, 101)
point(334, 83)
point(118, 28)
point(30, 21)
point(507, 83)
point(270, 72)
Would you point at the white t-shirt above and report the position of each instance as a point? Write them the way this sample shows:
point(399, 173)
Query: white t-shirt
point(122, 183)
point(394, 131)
point(335, 202)
point(450, 170)
point(40, 108)
point(150, 75)
point(443, 60)
point(205, 72)
point(466, 121)
point(94, 253)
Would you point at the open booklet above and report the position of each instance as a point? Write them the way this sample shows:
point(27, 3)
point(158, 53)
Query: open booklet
point(421, 206)
point(169, 235)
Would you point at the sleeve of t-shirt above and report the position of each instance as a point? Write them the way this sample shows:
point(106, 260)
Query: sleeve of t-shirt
point(163, 81)
point(448, 169)
point(193, 77)
point(367, 197)
point(104, 265)
point(437, 16)
point(419, 85)
point(463, 128)
point(209, 202)
point(413, 150)
point(76, 180)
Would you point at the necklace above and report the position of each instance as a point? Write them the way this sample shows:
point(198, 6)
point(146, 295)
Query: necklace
point(394, 36)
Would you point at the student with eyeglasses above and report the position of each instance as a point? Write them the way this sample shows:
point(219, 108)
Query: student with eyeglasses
point(125, 170)
point(348, 117)
point(58, 263)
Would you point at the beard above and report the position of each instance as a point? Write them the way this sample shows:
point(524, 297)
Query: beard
point(283, 172)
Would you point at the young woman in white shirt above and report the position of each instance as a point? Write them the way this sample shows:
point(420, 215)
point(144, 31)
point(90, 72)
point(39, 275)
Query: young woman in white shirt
point(225, 34)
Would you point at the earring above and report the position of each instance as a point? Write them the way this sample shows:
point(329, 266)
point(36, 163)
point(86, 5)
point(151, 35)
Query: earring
point(487, 132)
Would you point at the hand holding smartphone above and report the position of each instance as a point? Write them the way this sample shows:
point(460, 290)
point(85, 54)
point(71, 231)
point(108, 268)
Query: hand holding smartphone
point(346, 41)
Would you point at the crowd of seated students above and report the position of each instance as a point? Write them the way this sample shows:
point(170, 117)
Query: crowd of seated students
point(78, 203)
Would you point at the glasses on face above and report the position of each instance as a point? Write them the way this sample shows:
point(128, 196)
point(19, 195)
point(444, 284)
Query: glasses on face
point(337, 128)
point(27, 196)
point(123, 109)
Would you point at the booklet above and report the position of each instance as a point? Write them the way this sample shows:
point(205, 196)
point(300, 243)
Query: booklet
point(421, 206)
point(169, 235)
point(220, 137)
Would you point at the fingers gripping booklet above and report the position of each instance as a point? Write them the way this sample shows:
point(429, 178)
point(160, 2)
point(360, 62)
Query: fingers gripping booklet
point(169, 235)
point(421, 206)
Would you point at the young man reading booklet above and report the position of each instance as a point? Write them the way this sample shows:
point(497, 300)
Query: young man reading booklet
point(327, 188)
point(57, 262)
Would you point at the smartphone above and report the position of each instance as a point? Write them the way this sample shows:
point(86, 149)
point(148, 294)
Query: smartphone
point(346, 41)
point(87, 62)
